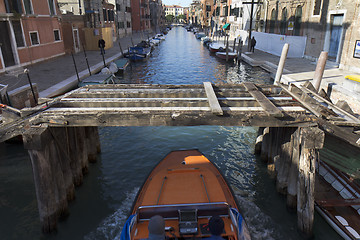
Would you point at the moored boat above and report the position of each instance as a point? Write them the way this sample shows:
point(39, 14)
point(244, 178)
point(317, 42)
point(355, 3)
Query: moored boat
point(337, 199)
point(215, 46)
point(186, 189)
point(230, 55)
point(138, 53)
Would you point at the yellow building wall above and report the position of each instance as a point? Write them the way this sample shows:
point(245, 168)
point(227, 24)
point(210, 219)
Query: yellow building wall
point(93, 35)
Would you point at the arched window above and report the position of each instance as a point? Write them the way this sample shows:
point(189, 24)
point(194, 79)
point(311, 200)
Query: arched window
point(283, 24)
point(297, 23)
point(272, 21)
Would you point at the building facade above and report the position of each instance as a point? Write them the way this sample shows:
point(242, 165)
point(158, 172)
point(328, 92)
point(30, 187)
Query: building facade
point(157, 14)
point(30, 32)
point(123, 17)
point(140, 15)
point(328, 25)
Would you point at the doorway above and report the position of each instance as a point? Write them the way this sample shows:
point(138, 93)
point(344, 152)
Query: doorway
point(336, 30)
point(5, 45)
point(76, 40)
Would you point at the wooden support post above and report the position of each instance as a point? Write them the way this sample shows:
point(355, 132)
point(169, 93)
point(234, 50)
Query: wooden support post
point(227, 49)
point(291, 197)
point(48, 176)
point(284, 162)
point(82, 152)
point(265, 144)
point(93, 143)
point(259, 140)
point(234, 46)
point(239, 51)
point(60, 136)
point(75, 164)
point(319, 71)
point(311, 139)
point(281, 65)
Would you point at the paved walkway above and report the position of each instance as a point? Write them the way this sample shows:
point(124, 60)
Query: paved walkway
point(54, 75)
point(58, 75)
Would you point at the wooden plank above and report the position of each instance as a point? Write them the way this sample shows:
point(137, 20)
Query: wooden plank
point(171, 109)
point(117, 99)
point(332, 106)
point(212, 99)
point(338, 202)
point(308, 106)
point(264, 102)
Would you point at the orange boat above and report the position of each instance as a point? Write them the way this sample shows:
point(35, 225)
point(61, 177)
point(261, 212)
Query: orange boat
point(186, 189)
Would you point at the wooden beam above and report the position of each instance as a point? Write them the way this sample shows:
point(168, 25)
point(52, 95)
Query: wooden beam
point(212, 99)
point(337, 202)
point(264, 102)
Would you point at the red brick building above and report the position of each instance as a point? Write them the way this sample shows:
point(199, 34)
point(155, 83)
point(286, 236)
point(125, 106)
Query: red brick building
point(140, 16)
point(30, 32)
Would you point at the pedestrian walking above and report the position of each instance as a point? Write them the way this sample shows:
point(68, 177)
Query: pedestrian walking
point(102, 46)
point(252, 44)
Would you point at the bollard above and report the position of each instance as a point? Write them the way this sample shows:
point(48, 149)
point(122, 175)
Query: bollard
point(281, 64)
point(319, 71)
point(227, 49)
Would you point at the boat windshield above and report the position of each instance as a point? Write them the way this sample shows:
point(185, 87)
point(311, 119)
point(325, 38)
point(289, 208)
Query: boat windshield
point(203, 210)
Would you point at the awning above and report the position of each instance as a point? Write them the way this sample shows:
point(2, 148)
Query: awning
point(226, 26)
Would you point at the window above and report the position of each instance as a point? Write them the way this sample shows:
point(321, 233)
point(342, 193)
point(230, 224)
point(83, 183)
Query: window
point(28, 7)
point(105, 14)
point(13, 6)
point(297, 23)
point(272, 21)
point(56, 35)
point(18, 34)
point(128, 24)
point(34, 38)
point(283, 24)
point(241, 12)
point(52, 7)
point(317, 6)
point(208, 8)
point(121, 25)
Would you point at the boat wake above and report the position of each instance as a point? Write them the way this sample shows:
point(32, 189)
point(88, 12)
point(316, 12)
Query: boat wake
point(110, 227)
point(260, 225)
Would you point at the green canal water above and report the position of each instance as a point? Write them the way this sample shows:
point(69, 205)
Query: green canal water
point(129, 153)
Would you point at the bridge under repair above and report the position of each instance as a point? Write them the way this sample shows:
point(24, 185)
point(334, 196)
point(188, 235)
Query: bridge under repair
point(61, 134)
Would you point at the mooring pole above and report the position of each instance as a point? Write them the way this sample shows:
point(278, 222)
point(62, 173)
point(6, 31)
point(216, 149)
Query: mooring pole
point(227, 49)
point(87, 62)
point(319, 71)
point(122, 53)
point(281, 65)
point(77, 74)
point(234, 45)
point(239, 50)
point(132, 42)
point(31, 86)
point(311, 140)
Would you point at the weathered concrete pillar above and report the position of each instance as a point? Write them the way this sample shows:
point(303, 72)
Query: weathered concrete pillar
point(49, 181)
point(311, 140)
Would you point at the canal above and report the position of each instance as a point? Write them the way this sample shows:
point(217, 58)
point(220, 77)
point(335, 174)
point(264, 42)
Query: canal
point(129, 153)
